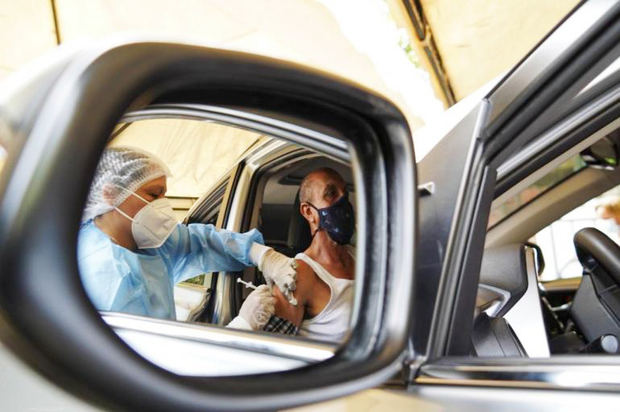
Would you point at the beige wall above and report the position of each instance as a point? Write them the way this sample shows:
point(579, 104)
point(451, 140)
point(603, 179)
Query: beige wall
point(477, 39)
point(303, 31)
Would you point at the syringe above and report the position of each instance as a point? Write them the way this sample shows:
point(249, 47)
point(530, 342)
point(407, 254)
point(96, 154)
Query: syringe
point(247, 284)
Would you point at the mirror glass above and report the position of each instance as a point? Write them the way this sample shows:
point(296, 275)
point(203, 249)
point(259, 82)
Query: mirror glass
point(194, 232)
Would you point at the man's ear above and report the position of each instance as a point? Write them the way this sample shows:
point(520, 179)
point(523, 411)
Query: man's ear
point(307, 212)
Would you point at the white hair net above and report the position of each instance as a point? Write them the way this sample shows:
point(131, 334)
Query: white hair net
point(120, 167)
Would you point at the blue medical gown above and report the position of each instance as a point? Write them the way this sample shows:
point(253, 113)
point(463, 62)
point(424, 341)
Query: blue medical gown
point(142, 282)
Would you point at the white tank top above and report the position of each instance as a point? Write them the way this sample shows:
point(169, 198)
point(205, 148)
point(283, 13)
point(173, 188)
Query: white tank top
point(332, 323)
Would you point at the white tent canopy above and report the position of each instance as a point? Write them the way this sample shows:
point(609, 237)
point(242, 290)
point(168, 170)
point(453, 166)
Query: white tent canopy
point(209, 148)
point(369, 41)
point(479, 39)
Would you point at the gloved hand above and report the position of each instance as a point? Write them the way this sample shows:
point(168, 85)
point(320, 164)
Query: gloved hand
point(256, 310)
point(277, 268)
point(281, 270)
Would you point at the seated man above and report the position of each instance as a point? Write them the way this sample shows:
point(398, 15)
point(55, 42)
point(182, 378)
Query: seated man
point(325, 271)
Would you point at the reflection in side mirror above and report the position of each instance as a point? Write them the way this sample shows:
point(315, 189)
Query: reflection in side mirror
point(257, 209)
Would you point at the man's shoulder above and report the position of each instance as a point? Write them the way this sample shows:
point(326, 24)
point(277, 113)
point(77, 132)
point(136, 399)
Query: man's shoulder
point(303, 268)
point(306, 276)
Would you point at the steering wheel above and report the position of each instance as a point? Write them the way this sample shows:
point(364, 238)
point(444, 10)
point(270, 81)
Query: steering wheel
point(596, 305)
point(597, 253)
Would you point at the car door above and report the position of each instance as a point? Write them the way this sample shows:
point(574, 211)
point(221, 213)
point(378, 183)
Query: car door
point(60, 116)
point(562, 92)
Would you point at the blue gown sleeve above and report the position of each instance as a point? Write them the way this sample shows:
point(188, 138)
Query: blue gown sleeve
point(198, 248)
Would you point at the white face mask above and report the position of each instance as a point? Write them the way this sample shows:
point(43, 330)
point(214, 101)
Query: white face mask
point(153, 224)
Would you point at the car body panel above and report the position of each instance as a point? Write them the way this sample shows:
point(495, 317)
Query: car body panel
point(25, 390)
point(189, 349)
point(454, 398)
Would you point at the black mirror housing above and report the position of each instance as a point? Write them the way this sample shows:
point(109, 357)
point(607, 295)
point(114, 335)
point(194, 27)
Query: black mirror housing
point(64, 128)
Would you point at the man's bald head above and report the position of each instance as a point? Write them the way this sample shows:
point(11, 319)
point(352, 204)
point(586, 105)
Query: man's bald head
point(321, 184)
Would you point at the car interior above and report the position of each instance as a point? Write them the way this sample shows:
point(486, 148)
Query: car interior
point(272, 208)
point(519, 313)
point(275, 208)
point(279, 219)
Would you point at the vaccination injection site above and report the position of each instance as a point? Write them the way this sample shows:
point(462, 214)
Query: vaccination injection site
point(309, 205)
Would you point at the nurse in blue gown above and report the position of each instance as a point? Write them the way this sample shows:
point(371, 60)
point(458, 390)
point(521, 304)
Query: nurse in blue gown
point(132, 251)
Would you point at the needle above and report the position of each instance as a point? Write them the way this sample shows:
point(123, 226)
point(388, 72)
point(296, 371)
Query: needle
point(247, 284)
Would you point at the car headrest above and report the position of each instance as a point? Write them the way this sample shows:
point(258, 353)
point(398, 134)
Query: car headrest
point(299, 237)
point(594, 248)
point(504, 273)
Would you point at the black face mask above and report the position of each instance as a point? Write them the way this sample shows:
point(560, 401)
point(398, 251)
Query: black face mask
point(338, 220)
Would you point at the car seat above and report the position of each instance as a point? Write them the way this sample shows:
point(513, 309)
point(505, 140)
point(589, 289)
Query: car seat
point(504, 274)
point(299, 237)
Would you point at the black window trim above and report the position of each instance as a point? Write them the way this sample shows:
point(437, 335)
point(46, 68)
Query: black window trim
point(575, 128)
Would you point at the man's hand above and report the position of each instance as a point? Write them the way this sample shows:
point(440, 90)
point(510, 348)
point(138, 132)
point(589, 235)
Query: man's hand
point(258, 308)
point(281, 270)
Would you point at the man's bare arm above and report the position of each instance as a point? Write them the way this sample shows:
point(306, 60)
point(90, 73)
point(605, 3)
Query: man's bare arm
point(284, 309)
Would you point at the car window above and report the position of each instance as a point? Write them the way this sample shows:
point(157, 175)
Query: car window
point(213, 178)
point(535, 292)
point(532, 289)
point(528, 289)
point(516, 202)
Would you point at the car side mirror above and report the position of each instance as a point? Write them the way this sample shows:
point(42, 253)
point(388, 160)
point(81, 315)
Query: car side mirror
point(61, 117)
